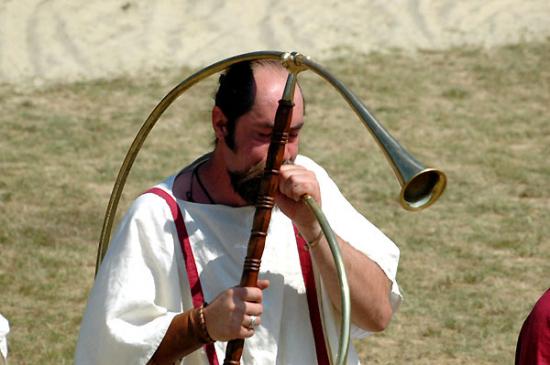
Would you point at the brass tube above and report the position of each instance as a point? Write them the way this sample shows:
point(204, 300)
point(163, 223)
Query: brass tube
point(345, 303)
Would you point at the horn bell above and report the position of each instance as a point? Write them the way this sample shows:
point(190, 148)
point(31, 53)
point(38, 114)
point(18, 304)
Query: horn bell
point(423, 189)
point(420, 186)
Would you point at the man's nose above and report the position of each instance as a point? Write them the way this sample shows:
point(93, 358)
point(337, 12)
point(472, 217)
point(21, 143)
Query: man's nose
point(289, 150)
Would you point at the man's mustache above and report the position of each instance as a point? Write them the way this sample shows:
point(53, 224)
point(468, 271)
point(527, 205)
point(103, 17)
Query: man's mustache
point(247, 183)
point(256, 171)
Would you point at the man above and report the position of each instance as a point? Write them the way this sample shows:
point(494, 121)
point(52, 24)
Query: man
point(148, 301)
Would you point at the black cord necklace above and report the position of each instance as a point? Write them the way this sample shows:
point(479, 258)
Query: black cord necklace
point(195, 175)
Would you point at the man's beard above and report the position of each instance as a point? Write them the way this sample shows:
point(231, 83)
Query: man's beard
point(247, 183)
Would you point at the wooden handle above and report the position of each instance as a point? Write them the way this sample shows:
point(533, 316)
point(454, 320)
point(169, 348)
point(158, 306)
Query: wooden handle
point(264, 205)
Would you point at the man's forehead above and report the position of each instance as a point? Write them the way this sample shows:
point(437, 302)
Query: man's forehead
point(270, 84)
point(270, 77)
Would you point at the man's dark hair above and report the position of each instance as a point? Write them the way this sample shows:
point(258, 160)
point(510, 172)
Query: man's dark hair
point(235, 96)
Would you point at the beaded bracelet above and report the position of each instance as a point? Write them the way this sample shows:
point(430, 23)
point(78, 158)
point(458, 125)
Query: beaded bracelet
point(203, 324)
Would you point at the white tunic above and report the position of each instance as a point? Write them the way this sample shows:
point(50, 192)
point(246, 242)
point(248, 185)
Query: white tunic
point(4, 331)
point(142, 283)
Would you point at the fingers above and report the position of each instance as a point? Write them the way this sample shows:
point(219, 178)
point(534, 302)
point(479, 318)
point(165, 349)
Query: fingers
point(247, 332)
point(252, 321)
point(236, 312)
point(296, 181)
point(249, 325)
point(253, 309)
point(263, 284)
point(244, 323)
point(249, 294)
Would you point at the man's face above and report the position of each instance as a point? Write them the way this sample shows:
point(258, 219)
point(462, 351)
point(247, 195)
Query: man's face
point(253, 131)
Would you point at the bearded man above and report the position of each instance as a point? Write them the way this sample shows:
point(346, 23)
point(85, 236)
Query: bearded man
point(165, 291)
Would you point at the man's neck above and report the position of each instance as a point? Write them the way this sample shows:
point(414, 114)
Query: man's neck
point(216, 179)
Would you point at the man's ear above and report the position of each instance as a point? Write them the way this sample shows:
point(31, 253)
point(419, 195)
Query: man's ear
point(219, 123)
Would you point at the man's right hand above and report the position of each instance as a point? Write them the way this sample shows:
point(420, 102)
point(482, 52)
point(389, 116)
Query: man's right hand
point(229, 316)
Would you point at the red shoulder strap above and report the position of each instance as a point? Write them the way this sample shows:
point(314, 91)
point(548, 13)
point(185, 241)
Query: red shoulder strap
point(313, 304)
point(192, 273)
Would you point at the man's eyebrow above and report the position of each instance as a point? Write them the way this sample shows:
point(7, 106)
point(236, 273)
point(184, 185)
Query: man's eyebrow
point(297, 127)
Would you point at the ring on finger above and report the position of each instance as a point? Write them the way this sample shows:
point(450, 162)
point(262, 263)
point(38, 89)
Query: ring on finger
point(252, 324)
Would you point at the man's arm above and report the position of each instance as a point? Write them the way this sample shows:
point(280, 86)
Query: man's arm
point(226, 318)
point(185, 334)
point(369, 286)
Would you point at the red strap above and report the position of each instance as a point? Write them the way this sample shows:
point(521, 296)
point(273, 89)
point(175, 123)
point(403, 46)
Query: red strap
point(192, 273)
point(313, 304)
point(196, 288)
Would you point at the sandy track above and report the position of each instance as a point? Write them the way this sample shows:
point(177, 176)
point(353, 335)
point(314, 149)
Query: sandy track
point(53, 40)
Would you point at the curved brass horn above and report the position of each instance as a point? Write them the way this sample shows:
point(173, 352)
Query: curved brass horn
point(420, 186)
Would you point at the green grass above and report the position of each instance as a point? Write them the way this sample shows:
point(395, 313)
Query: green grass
point(471, 266)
